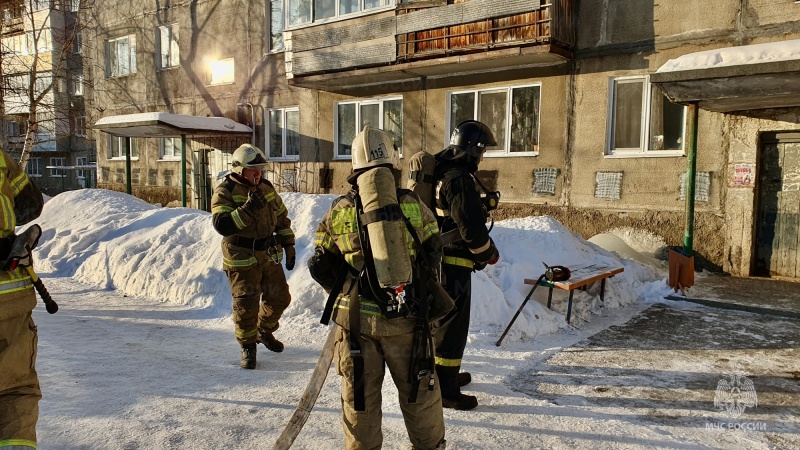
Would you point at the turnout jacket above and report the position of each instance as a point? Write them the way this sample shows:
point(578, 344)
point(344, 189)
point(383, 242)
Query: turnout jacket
point(338, 243)
point(245, 233)
point(20, 202)
point(459, 206)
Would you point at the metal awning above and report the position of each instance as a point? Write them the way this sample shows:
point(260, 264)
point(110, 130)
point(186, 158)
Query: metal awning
point(161, 124)
point(732, 79)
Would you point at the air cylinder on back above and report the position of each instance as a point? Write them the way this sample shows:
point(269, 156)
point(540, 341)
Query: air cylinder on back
point(387, 237)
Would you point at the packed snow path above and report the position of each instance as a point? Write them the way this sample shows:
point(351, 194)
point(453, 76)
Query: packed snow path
point(132, 373)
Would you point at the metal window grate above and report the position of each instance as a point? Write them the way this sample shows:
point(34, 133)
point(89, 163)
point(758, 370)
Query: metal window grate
point(608, 185)
point(544, 180)
point(702, 186)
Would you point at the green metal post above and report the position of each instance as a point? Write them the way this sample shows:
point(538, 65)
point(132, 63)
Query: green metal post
point(183, 170)
point(691, 165)
point(128, 188)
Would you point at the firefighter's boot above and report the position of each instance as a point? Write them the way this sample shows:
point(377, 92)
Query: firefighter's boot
point(464, 378)
point(248, 356)
point(451, 392)
point(272, 344)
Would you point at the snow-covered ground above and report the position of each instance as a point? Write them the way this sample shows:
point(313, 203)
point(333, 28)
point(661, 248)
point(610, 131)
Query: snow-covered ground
point(142, 352)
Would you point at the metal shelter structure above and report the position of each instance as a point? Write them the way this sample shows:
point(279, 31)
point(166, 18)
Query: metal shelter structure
point(167, 125)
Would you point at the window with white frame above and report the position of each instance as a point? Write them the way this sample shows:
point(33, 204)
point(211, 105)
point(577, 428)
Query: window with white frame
point(121, 56)
point(38, 5)
point(80, 174)
point(353, 116)
point(168, 50)
point(642, 121)
point(305, 11)
point(169, 148)
point(283, 133)
point(80, 126)
point(41, 40)
point(222, 71)
point(76, 84)
point(512, 113)
point(77, 43)
point(116, 147)
point(34, 168)
point(74, 5)
point(275, 25)
point(16, 126)
point(57, 162)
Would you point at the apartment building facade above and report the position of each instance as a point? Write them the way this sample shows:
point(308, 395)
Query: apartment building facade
point(43, 87)
point(584, 135)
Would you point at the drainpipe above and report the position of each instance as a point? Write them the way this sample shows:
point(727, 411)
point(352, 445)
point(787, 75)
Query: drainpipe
point(691, 165)
point(183, 170)
point(128, 188)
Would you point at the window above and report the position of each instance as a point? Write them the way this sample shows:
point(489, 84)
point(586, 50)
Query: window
point(121, 56)
point(80, 174)
point(116, 147)
point(170, 148)
point(276, 25)
point(77, 43)
point(74, 5)
point(34, 168)
point(16, 127)
point(642, 121)
point(57, 162)
point(76, 84)
point(80, 126)
point(222, 71)
point(304, 11)
point(38, 5)
point(283, 135)
point(168, 46)
point(511, 113)
point(352, 117)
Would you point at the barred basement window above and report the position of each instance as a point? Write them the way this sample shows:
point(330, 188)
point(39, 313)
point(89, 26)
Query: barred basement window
point(608, 185)
point(152, 177)
point(119, 176)
point(702, 186)
point(135, 178)
point(290, 180)
point(544, 180)
point(168, 177)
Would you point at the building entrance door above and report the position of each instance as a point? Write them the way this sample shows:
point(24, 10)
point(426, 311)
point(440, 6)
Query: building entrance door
point(778, 207)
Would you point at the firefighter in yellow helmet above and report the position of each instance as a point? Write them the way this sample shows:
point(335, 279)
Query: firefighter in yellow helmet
point(373, 334)
point(257, 232)
point(20, 202)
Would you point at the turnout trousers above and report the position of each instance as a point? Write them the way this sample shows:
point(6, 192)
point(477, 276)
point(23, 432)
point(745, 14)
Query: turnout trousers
point(260, 296)
point(451, 336)
point(424, 419)
point(19, 384)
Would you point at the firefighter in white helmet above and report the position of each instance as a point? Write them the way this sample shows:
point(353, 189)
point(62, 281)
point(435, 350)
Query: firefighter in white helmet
point(257, 232)
point(373, 335)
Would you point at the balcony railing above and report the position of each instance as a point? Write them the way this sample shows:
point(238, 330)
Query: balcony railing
point(551, 24)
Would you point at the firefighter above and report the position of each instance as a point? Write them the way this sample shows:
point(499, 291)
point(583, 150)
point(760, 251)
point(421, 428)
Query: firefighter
point(257, 232)
point(459, 207)
point(20, 202)
point(382, 342)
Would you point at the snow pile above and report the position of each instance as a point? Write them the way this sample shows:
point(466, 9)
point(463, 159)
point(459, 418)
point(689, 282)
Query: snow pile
point(115, 241)
point(735, 56)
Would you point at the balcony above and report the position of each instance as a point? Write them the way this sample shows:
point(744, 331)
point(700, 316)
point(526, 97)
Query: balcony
point(418, 42)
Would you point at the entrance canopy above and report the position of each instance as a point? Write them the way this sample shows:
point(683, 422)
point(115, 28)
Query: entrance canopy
point(731, 79)
point(161, 124)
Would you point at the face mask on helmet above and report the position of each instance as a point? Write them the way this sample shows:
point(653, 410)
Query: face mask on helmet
point(373, 147)
point(247, 156)
point(472, 137)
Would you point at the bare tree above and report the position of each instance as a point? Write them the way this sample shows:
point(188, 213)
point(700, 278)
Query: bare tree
point(38, 42)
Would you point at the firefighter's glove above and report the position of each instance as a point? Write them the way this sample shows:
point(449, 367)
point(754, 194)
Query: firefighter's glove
point(495, 256)
point(290, 256)
point(255, 202)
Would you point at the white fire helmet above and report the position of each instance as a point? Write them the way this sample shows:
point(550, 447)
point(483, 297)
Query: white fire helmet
point(373, 147)
point(247, 156)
